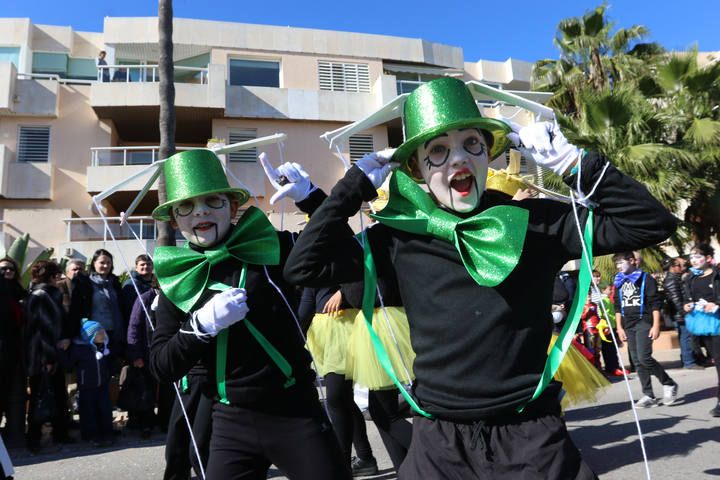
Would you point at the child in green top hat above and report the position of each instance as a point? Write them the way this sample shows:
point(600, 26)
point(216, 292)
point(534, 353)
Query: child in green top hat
point(475, 272)
point(224, 304)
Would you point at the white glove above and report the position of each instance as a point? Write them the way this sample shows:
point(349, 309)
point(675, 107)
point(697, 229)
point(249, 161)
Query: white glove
point(289, 179)
point(221, 311)
point(545, 144)
point(377, 166)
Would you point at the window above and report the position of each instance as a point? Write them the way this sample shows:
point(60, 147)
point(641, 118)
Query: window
point(10, 54)
point(52, 63)
point(360, 145)
point(237, 136)
point(82, 68)
point(254, 73)
point(407, 82)
point(33, 144)
point(490, 101)
point(344, 77)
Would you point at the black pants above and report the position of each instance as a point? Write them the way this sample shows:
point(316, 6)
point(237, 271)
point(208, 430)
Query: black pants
point(395, 431)
point(180, 455)
point(610, 356)
point(346, 417)
point(714, 343)
point(246, 442)
point(13, 385)
point(60, 422)
point(640, 349)
point(95, 413)
point(166, 400)
point(531, 446)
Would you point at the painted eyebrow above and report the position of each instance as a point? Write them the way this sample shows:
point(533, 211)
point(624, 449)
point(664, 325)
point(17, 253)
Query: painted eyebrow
point(438, 136)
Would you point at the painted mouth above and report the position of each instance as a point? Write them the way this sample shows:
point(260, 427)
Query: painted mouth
point(204, 226)
point(462, 182)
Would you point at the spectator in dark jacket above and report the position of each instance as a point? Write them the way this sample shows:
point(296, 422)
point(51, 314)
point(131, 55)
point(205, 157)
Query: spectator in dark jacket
point(141, 278)
point(44, 322)
point(97, 297)
point(138, 353)
point(672, 284)
point(12, 370)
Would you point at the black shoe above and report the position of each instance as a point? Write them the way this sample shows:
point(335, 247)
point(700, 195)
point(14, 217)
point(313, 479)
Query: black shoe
point(363, 468)
point(146, 433)
point(715, 412)
point(67, 439)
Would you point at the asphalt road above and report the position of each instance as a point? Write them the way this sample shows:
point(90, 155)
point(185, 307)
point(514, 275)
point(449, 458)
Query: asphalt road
point(682, 441)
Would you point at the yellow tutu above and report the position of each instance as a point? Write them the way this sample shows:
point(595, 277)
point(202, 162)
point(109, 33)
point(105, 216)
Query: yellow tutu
point(328, 339)
point(363, 366)
point(580, 379)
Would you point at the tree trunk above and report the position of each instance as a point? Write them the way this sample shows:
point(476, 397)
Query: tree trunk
point(165, 232)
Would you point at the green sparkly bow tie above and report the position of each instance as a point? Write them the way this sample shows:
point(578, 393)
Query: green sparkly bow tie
point(489, 243)
point(184, 274)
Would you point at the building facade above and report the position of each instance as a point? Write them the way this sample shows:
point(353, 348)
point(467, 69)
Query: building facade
point(70, 129)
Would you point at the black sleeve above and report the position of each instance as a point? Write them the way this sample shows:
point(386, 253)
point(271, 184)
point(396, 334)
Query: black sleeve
point(326, 252)
point(79, 305)
point(312, 202)
point(352, 294)
point(674, 295)
point(653, 299)
point(306, 308)
point(172, 352)
point(627, 217)
point(616, 300)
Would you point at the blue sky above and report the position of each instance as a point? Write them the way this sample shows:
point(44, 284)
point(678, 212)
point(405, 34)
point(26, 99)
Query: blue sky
point(488, 30)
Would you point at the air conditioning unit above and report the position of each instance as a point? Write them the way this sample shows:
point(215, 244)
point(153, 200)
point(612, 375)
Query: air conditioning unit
point(69, 252)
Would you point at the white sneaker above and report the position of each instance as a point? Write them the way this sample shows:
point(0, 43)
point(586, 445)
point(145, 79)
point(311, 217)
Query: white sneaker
point(670, 394)
point(646, 402)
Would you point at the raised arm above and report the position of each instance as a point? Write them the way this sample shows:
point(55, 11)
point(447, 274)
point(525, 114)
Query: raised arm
point(327, 252)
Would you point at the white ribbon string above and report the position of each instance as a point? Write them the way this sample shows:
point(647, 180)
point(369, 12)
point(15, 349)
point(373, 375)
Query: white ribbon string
point(596, 289)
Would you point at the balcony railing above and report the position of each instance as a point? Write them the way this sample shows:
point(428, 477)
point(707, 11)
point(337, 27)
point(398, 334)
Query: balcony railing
point(110, 156)
point(92, 229)
point(149, 74)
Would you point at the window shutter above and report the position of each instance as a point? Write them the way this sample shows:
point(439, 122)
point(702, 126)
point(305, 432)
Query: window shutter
point(344, 77)
point(360, 145)
point(237, 136)
point(33, 144)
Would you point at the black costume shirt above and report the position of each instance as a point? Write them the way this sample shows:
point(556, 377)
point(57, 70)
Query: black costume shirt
point(629, 302)
point(480, 351)
point(253, 380)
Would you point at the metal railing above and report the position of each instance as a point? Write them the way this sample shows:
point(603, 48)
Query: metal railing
point(149, 74)
point(92, 229)
point(110, 156)
point(57, 78)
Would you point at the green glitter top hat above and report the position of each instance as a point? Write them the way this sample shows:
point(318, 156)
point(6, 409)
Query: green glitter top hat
point(194, 173)
point(442, 105)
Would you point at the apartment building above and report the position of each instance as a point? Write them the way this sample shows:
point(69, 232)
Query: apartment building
point(69, 130)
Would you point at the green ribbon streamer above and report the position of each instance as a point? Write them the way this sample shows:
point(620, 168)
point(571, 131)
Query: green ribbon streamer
point(222, 343)
point(184, 384)
point(184, 274)
point(368, 305)
point(560, 348)
point(489, 243)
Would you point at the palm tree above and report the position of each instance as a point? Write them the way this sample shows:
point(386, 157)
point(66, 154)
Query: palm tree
point(166, 234)
point(590, 57)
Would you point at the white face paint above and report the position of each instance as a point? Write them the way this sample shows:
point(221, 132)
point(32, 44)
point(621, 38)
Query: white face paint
point(455, 165)
point(204, 220)
point(698, 260)
point(625, 266)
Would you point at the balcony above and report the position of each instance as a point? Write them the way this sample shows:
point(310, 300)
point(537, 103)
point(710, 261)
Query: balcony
point(27, 180)
point(298, 104)
point(86, 235)
point(108, 165)
point(129, 96)
point(27, 95)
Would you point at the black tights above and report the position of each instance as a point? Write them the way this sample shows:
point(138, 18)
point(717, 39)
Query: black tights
point(347, 420)
point(395, 431)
